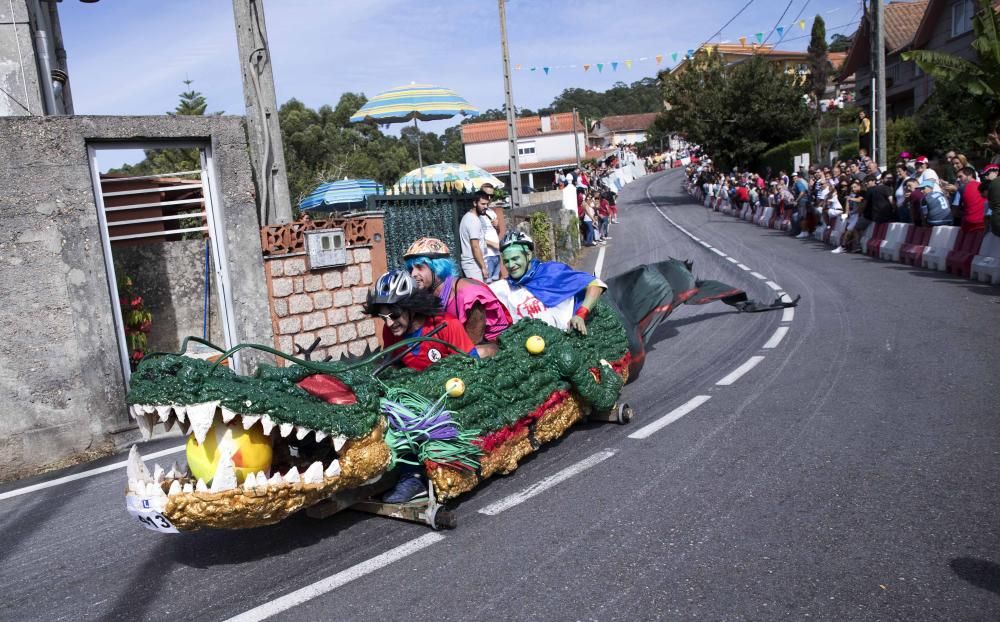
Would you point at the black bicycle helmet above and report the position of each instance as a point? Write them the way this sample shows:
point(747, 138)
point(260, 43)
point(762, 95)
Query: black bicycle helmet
point(517, 237)
point(391, 288)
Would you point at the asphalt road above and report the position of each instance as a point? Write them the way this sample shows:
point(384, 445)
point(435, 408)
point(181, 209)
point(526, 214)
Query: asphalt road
point(852, 474)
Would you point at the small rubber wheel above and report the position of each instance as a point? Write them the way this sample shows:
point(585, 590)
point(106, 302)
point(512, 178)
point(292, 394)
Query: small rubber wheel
point(443, 519)
point(625, 413)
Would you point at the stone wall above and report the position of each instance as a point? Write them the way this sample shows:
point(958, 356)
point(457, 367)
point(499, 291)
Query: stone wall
point(325, 303)
point(62, 391)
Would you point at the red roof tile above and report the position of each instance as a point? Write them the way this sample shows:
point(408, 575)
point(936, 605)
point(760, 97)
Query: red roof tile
point(527, 127)
point(901, 22)
point(629, 122)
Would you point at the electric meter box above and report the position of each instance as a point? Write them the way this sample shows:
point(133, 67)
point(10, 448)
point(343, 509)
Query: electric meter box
point(326, 248)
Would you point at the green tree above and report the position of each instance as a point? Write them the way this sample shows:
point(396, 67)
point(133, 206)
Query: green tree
point(979, 78)
point(841, 43)
point(736, 112)
point(819, 75)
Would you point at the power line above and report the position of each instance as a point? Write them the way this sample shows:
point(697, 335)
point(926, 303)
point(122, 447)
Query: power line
point(773, 28)
point(731, 20)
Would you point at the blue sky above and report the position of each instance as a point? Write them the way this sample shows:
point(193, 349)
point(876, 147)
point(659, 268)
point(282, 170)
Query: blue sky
point(131, 56)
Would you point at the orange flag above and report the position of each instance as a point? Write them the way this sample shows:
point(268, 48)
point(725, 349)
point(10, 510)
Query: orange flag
point(743, 41)
point(586, 67)
point(659, 58)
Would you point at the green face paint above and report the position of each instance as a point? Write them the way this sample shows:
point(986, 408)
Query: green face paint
point(516, 258)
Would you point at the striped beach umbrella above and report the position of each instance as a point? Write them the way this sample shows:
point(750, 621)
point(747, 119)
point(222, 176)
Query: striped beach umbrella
point(425, 102)
point(340, 192)
point(451, 174)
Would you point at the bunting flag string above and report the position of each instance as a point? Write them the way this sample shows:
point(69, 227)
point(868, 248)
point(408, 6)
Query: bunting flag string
point(757, 38)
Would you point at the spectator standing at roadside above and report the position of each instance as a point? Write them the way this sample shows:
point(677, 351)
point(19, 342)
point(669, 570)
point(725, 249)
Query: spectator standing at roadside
point(878, 201)
point(491, 237)
point(935, 210)
point(926, 173)
point(801, 191)
point(473, 239)
point(864, 132)
point(973, 204)
point(856, 222)
point(990, 174)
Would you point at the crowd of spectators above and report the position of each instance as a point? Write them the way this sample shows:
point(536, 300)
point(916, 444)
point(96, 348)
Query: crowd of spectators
point(596, 196)
point(859, 192)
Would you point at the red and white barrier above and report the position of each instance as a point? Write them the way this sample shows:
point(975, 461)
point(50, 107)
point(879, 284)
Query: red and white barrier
point(941, 243)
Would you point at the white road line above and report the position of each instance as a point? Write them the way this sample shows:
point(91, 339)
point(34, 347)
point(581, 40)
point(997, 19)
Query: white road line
point(332, 582)
point(773, 286)
point(542, 485)
point(785, 297)
point(731, 260)
point(759, 276)
point(743, 267)
point(718, 252)
point(776, 338)
point(600, 262)
point(706, 245)
point(788, 314)
point(737, 373)
point(83, 474)
point(670, 417)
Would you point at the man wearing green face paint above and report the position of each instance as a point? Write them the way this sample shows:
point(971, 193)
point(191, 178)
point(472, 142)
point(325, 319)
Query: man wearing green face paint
point(549, 291)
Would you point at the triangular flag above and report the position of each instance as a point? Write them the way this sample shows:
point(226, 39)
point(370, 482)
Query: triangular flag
point(628, 64)
point(517, 67)
point(586, 67)
point(674, 56)
point(743, 41)
point(781, 31)
point(534, 68)
point(600, 67)
point(546, 70)
point(708, 50)
point(691, 53)
point(802, 24)
point(614, 65)
point(760, 37)
point(659, 58)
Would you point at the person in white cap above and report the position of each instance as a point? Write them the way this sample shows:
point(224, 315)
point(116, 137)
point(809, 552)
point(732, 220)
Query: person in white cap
point(926, 173)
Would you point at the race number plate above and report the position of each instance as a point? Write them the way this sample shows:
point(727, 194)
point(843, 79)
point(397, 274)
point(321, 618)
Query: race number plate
point(149, 516)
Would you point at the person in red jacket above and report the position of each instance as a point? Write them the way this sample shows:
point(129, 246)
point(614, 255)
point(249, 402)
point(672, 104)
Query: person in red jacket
point(973, 203)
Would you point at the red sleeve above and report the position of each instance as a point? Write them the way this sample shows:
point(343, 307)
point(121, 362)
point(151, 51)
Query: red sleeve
point(454, 333)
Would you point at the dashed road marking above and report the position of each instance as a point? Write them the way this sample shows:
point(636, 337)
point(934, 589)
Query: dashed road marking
point(788, 314)
point(599, 266)
point(737, 373)
point(718, 252)
point(743, 267)
point(759, 276)
point(670, 417)
point(544, 484)
point(773, 285)
point(731, 260)
point(776, 338)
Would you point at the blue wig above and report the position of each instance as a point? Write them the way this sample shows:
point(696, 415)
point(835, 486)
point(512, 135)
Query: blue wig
point(442, 267)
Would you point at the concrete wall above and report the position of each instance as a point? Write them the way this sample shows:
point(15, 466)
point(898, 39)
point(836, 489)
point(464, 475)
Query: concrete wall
point(15, 33)
point(61, 385)
point(547, 147)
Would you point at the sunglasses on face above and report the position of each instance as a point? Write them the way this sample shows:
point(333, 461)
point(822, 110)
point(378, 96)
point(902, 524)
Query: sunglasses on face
point(393, 317)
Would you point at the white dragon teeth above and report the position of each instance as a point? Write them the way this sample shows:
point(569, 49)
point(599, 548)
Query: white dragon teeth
point(249, 420)
point(275, 480)
point(148, 409)
point(286, 428)
point(146, 423)
point(320, 435)
point(292, 477)
point(267, 424)
point(136, 469)
point(301, 432)
point(338, 442)
point(174, 472)
point(163, 412)
point(157, 473)
point(333, 470)
point(314, 474)
point(201, 417)
point(249, 483)
point(175, 488)
point(181, 413)
point(188, 488)
point(227, 415)
point(200, 486)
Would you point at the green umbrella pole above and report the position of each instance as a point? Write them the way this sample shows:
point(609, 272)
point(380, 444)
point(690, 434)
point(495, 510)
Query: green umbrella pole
point(420, 157)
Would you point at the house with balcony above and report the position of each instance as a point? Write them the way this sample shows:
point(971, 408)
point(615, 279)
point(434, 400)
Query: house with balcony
point(545, 144)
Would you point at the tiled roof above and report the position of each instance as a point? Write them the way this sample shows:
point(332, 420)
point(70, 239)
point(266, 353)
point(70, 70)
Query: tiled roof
point(932, 17)
point(628, 122)
point(527, 167)
point(901, 22)
point(837, 59)
point(527, 127)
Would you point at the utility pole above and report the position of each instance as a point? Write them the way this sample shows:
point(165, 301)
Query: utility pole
point(576, 140)
point(267, 154)
point(515, 166)
point(879, 94)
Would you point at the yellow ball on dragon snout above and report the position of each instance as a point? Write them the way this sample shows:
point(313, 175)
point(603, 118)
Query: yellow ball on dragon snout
point(535, 344)
point(253, 451)
point(455, 387)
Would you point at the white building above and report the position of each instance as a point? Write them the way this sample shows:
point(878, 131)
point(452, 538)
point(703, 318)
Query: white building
point(621, 129)
point(545, 144)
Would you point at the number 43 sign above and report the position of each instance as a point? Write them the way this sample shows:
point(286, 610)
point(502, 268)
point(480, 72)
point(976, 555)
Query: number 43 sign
point(149, 516)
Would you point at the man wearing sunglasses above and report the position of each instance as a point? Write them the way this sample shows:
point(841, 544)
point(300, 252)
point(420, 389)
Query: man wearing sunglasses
point(409, 311)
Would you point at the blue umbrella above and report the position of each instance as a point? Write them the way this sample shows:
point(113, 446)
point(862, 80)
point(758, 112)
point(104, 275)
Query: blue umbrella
point(340, 192)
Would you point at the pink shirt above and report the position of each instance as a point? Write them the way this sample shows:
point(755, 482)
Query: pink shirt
point(470, 293)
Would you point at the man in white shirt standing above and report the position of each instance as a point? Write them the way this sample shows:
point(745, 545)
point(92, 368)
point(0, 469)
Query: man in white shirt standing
point(473, 240)
point(491, 237)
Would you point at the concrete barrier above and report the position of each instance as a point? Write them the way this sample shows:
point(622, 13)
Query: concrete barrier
point(894, 240)
point(941, 243)
point(838, 232)
point(986, 265)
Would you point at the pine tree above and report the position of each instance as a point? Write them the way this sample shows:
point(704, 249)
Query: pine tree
point(192, 103)
point(819, 75)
